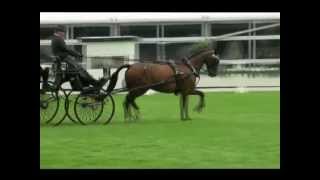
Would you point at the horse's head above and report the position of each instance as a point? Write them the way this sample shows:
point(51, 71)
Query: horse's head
point(212, 62)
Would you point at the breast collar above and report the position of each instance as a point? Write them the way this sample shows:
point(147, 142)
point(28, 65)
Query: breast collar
point(186, 61)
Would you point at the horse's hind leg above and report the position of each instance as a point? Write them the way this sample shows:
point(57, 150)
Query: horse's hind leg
point(136, 110)
point(130, 103)
point(136, 94)
point(127, 108)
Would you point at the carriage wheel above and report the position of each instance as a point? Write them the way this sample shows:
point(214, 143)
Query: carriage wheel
point(65, 100)
point(108, 110)
point(88, 108)
point(49, 104)
point(69, 104)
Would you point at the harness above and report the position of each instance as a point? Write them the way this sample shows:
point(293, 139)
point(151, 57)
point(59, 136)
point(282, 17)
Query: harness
point(177, 72)
point(174, 67)
point(190, 66)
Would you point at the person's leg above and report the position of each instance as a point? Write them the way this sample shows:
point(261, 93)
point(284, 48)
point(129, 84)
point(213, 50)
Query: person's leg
point(82, 72)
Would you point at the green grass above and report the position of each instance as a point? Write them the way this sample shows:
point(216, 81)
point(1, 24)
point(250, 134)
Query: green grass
point(234, 131)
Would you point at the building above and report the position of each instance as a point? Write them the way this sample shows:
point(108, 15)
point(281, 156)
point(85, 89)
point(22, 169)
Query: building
point(163, 36)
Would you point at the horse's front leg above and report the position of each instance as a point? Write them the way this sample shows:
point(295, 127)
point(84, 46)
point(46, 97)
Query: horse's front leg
point(184, 102)
point(201, 103)
point(186, 107)
point(181, 108)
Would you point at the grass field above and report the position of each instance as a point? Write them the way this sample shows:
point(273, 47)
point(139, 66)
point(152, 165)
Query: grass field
point(234, 131)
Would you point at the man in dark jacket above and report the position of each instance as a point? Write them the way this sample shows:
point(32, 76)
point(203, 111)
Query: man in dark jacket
point(65, 54)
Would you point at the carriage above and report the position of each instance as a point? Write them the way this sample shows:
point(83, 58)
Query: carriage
point(76, 104)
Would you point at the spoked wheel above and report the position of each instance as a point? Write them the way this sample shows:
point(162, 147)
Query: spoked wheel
point(69, 107)
point(108, 110)
point(88, 108)
point(49, 104)
point(63, 117)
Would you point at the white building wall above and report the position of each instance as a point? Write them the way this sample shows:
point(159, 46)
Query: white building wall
point(123, 48)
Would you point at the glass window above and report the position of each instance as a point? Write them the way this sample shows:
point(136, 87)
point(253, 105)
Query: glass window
point(148, 52)
point(229, 50)
point(91, 31)
point(46, 33)
point(182, 30)
point(267, 49)
point(268, 31)
point(177, 51)
point(221, 29)
point(141, 31)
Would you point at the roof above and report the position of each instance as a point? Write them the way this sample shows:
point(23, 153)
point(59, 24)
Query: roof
point(95, 18)
point(109, 38)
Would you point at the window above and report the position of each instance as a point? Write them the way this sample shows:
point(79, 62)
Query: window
point(267, 49)
point(221, 29)
point(268, 31)
point(182, 30)
point(232, 49)
point(177, 51)
point(46, 33)
point(141, 31)
point(148, 52)
point(91, 31)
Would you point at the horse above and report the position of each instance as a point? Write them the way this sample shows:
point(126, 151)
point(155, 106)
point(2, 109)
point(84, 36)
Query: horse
point(141, 77)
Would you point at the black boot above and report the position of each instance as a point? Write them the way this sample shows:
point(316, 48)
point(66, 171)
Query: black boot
point(102, 82)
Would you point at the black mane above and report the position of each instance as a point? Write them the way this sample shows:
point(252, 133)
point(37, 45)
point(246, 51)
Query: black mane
point(198, 52)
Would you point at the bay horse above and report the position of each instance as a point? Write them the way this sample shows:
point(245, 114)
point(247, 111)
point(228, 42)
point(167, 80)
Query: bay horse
point(141, 77)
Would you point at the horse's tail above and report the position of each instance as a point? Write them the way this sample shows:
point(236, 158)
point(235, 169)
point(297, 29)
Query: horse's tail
point(114, 78)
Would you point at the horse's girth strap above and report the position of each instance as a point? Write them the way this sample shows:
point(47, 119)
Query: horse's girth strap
point(173, 66)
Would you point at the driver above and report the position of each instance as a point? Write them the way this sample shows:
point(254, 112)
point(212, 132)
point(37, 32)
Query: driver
point(65, 54)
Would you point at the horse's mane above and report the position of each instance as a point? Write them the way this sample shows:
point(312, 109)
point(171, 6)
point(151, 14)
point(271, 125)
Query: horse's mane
point(199, 48)
point(198, 53)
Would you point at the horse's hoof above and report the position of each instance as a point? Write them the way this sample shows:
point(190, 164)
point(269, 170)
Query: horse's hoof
point(126, 120)
point(186, 119)
point(198, 109)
